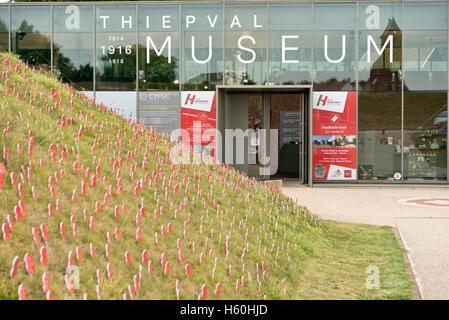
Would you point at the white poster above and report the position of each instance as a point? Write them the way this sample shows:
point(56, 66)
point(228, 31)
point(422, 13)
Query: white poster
point(333, 101)
point(340, 173)
point(197, 100)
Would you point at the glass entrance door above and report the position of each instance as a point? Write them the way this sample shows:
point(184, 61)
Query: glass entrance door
point(256, 125)
point(287, 117)
point(265, 134)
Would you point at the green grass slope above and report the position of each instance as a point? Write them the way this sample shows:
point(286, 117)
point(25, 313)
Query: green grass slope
point(234, 234)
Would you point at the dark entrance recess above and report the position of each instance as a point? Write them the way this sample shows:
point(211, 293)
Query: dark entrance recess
point(284, 109)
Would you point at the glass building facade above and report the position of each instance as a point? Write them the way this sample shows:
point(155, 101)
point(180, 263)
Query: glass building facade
point(392, 54)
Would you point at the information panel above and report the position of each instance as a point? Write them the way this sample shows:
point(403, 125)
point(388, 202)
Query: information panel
point(290, 127)
point(160, 110)
point(334, 163)
point(334, 135)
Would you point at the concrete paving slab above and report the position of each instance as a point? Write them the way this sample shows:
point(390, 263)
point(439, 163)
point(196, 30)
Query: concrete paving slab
point(377, 206)
point(427, 243)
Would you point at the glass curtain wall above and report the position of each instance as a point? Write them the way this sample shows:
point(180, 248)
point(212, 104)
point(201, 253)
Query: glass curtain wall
point(334, 149)
point(202, 43)
point(395, 54)
point(115, 47)
point(73, 45)
point(334, 46)
point(246, 41)
point(290, 44)
point(379, 94)
point(425, 91)
point(159, 41)
point(31, 34)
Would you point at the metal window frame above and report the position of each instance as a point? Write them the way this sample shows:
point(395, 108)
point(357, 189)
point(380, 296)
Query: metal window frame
point(137, 63)
point(9, 28)
point(52, 40)
point(402, 92)
point(94, 49)
point(356, 36)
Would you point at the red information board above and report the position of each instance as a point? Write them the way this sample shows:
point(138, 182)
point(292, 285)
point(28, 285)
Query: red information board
point(334, 113)
point(198, 118)
point(334, 135)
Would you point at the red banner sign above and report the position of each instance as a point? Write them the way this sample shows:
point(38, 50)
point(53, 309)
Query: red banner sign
point(198, 118)
point(334, 135)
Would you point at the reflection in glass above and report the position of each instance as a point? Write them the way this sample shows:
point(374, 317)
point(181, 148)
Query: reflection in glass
point(379, 98)
point(31, 34)
point(245, 44)
point(425, 135)
point(124, 102)
point(290, 44)
point(380, 30)
point(4, 28)
point(202, 26)
point(379, 148)
point(72, 45)
point(159, 53)
point(334, 46)
point(425, 91)
point(116, 47)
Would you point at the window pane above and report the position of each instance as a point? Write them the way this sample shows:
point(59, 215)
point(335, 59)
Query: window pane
point(31, 34)
point(379, 146)
point(335, 27)
point(116, 47)
point(425, 46)
point(290, 43)
point(380, 28)
point(425, 15)
point(246, 44)
point(425, 91)
point(159, 56)
point(379, 98)
point(72, 44)
point(202, 25)
point(4, 28)
point(122, 101)
point(425, 135)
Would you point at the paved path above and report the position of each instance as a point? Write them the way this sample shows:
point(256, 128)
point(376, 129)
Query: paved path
point(422, 225)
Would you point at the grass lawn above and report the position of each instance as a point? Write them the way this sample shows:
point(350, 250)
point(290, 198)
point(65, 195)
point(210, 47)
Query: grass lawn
point(334, 267)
